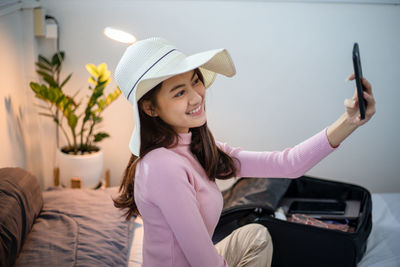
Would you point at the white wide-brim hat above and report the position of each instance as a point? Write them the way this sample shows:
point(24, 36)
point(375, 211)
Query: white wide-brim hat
point(147, 63)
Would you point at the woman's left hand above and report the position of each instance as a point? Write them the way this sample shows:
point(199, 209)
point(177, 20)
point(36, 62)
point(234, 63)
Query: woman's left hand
point(351, 119)
point(352, 108)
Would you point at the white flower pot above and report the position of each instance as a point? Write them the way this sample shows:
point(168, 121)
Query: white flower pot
point(89, 168)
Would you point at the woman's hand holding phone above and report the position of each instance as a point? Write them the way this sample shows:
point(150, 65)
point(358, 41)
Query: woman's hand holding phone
point(351, 119)
point(363, 94)
point(352, 106)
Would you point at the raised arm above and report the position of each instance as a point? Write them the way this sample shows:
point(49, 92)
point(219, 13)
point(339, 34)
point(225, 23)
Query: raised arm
point(294, 162)
point(288, 163)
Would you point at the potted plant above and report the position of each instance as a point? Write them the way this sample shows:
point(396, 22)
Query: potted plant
point(78, 120)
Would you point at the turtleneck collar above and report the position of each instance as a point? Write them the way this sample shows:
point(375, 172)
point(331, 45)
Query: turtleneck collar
point(185, 138)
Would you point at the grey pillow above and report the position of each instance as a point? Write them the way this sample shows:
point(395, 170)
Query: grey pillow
point(20, 203)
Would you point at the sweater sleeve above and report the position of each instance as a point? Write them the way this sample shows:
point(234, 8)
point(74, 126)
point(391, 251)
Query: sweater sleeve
point(289, 163)
point(175, 196)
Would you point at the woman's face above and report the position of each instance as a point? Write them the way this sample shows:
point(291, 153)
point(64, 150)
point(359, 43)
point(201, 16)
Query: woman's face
point(180, 102)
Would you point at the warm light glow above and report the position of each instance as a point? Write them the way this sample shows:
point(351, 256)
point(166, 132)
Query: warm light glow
point(119, 35)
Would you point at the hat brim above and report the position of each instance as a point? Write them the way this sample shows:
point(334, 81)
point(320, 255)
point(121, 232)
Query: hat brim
point(210, 63)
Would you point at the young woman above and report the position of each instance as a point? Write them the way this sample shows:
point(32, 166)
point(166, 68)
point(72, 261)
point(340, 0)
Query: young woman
point(170, 177)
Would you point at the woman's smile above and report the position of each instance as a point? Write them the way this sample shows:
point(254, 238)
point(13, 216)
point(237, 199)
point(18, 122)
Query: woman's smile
point(197, 111)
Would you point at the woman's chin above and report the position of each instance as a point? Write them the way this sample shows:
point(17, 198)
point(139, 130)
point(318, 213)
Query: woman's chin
point(199, 124)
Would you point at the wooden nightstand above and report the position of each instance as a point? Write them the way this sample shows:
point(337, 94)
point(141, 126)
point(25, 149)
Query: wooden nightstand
point(76, 181)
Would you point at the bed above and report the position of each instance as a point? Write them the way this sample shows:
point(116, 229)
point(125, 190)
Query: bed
point(81, 227)
point(60, 226)
point(383, 247)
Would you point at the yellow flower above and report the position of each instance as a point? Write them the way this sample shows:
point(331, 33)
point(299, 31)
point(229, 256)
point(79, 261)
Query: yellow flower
point(101, 68)
point(92, 69)
point(105, 76)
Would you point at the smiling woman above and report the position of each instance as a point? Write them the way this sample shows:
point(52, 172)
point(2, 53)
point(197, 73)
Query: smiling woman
point(170, 178)
point(180, 102)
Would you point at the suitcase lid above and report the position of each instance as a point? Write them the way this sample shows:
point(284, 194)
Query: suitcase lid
point(250, 193)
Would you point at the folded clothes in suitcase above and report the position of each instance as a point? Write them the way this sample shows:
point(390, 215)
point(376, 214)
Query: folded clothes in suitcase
point(328, 240)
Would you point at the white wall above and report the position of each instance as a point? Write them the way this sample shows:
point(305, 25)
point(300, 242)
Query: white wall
point(20, 133)
point(292, 60)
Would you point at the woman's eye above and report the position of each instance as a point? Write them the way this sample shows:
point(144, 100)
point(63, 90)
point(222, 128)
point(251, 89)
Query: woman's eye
point(180, 93)
point(196, 81)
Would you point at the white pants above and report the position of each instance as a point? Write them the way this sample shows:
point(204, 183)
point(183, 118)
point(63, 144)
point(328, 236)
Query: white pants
point(249, 245)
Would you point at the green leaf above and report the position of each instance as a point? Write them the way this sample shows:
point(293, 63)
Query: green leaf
point(50, 81)
point(101, 104)
point(66, 104)
point(41, 91)
point(58, 59)
point(51, 95)
point(44, 60)
point(97, 119)
point(59, 99)
point(44, 73)
point(48, 78)
point(43, 67)
point(35, 87)
point(65, 81)
point(72, 120)
point(100, 136)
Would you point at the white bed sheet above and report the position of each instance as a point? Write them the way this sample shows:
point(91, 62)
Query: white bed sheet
point(135, 251)
point(383, 247)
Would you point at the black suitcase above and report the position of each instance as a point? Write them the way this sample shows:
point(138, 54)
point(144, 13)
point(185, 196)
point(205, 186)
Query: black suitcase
point(252, 200)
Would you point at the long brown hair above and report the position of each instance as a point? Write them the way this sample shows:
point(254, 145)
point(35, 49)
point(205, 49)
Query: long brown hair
point(156, 133)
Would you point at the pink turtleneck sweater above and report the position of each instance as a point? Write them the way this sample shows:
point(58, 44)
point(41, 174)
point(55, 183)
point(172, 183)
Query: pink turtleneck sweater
point(180, 206)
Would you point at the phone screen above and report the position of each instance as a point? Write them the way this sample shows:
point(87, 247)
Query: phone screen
point(358, 76)
point(313, 207)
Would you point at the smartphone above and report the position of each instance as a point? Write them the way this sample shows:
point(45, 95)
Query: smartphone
point(358, 76)
point(316, 207)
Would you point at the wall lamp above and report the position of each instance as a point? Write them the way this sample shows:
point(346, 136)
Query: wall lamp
point(119, 35)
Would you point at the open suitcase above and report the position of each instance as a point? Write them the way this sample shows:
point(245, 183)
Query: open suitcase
point(256, 200)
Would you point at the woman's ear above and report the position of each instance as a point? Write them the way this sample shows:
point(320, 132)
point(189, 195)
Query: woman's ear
point(148, 108)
